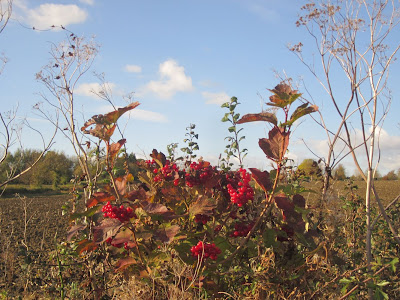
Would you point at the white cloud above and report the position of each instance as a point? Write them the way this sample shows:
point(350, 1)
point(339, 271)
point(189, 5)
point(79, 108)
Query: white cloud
point(215, 98)
point(88, 2)
point(133, 68)
point(48, 14)
point(146, 115)
point(172, 80)
point(90, 89)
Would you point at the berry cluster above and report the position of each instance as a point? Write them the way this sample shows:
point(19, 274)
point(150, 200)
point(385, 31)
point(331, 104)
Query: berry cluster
point(165, 173)
point(241, 229)
point(199, 173)
point(244, 192)
point(206, 249)
point(121, 213)
point(201, 219)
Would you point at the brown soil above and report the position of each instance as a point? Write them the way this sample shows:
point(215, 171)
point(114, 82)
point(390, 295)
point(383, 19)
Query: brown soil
point(30, 228)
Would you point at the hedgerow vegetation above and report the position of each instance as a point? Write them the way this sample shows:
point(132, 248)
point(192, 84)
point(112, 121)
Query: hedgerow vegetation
point(176, 226)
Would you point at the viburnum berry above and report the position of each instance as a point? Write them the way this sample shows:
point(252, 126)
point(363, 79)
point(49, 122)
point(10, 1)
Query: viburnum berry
point(242, 229)
point(244, 192)
point(205, 250)
point(121, 213)
point(167, 172)
point(199, 173)
point(202, 219)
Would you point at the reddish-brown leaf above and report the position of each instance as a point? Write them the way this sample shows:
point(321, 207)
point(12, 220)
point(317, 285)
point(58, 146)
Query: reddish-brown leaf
point(120, 183)
point(276, 145)
point(105, 124)
point(283, 203)
point(264, 116)
point(107, 228)
point(203, 206)
point(157, 209)
point(99, 197)
point(166, 235)
point(123, 263)
point(114, 149)
point(138, 194)
point(159, 157)
point(85, 245)
point(262, 179)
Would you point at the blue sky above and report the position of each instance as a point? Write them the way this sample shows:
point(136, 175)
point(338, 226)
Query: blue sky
point(182, 59)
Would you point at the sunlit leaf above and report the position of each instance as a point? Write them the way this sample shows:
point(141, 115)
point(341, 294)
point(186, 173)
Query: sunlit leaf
point(202, 206)
point(301, 111)
point(276, 145)
point(105, 124)
point(124, 263)
point(99, 197)
point(86, 245)
point(114, 149)
point(283, 95)
point(264, 116)
point(262, 178)
point(159, 157)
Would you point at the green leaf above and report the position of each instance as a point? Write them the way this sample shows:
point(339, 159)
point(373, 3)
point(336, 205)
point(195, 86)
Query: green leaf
point(226, 104)
point(225, 118)
point(232, 128)
point(301, 111)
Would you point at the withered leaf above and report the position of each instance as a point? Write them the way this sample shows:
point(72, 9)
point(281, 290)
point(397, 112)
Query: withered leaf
point(105, 124)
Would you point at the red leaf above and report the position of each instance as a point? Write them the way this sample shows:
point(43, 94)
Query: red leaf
point(264, 116)
point(283, 202)
point(107, 228)
point(276, 145)
point(283, 95)
point(99, 197)
point(262, 178)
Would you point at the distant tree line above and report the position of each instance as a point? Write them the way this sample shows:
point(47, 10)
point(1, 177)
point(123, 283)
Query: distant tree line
point(312, 169)
point(56, 168)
